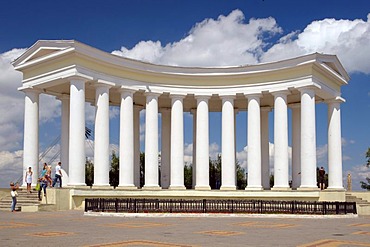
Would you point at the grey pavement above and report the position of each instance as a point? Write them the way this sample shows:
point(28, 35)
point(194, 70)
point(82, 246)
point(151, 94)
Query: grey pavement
point(74, 228)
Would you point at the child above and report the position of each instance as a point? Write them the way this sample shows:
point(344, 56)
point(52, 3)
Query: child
point(38, 188)
point(48, 176)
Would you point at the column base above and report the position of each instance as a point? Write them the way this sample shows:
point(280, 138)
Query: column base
point(126, 187)
point(308, 188)
point(202, 187)
point(101, 187)
point(79, 185)
point(254, 188)
point(177, 187)
point(226, 187)
point(281, 188)
point(335, 189)
point(151, 187)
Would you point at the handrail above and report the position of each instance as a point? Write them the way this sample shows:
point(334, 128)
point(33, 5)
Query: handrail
point(145, 205)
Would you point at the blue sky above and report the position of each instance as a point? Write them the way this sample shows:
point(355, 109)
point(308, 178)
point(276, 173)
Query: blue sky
point(156, 31)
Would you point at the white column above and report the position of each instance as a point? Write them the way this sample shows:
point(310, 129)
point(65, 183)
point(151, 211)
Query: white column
point(31, 134)
point(137, 110)
point(254, 143)
point(296, 145)
point(194, 160)
point(77, 158)
point(236, 111)
point(265, 147)
point(177, 142)
point(334, 146)
point(64, 136)
point(166, 148)
point(308, 139)
point(151, 141)
point(101, 142)
point(228, 170)
point(126, 146)
point(281, 160)
point(202, 158)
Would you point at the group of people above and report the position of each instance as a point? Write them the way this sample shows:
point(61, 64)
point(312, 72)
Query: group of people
point(43, 182)
point(45, 178)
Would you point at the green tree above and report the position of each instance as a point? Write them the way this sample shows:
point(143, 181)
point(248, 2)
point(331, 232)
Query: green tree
point(366, 185)
point(240, 177)
point(114, 170)
point(89, 172)
point(188, 176)
point(215, 172)
point(142, 169)
point(272, 180)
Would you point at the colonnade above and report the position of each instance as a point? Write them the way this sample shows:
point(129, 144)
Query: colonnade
point(172, 153)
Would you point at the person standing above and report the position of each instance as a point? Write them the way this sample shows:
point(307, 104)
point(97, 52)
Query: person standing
point(322, 178)
point(58, 174)
point(48, 176)
point(44, 170)
point(28, 179)
point(14, 194)
point(43, 184)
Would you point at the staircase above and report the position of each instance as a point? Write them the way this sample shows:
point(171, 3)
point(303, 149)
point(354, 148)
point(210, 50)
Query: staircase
point(362, 205)
point(23, 199)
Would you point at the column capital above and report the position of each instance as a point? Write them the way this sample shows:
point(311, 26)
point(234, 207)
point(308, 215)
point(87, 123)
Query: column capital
point(337, 99)
point(308, 90)
point(265, 108)
point(280, 93)
point(102, 83)
point(253, 95)
point(295, 105)
point(177, 95)
point(227, 96)
point(164, 109)
point(63, 97)
point(74, 79)
point(202, 97)
point(28, 90)
point(126, 90)
point(152, 94)
point(138, 107)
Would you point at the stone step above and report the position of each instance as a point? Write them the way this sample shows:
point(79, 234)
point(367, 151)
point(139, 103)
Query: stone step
point(351, 198)
point(23, 199)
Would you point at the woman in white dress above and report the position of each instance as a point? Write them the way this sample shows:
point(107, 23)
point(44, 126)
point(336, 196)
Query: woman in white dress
point(28, 179)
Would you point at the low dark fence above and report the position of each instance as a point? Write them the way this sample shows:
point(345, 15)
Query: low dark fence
point(130, 205)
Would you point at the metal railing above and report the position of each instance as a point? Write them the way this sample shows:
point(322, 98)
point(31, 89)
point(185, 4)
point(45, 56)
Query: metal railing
point(133, 205)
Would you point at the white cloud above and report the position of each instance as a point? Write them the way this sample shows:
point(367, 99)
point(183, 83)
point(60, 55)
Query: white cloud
point(343, 38)
point(322, 155)
point(188, 153)
point(242, 157)
point(229, 40)
point(49, 108)
point(214, 150)
point(11, 102)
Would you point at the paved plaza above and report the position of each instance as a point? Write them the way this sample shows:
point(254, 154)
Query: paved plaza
point(73, 228)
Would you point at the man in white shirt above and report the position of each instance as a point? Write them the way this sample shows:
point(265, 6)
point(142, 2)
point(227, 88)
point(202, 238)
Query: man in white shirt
point(58, 174)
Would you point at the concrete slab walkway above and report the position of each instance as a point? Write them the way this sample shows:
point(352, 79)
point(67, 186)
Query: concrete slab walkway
point(73, 228)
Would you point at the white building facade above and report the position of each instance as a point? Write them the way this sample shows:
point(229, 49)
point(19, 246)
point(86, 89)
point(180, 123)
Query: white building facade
point(76, 73)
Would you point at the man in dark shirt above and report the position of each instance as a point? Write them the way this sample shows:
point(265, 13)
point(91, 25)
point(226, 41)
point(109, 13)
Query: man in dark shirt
point(322, 178)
